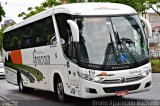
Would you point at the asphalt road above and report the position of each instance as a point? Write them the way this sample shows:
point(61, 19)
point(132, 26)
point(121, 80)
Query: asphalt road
point(44, 98)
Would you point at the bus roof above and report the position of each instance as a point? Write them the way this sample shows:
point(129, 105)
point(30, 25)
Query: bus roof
point(85, 9)
point(95, 9)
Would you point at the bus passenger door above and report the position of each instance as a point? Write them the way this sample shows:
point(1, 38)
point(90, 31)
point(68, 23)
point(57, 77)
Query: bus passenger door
point(72, 67)
point(69, 51)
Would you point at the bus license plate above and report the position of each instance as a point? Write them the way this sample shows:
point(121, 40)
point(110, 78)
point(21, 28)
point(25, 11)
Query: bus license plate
point(121, 93)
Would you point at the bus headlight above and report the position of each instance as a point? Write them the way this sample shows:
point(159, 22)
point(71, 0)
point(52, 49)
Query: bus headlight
point(84, 76)
point(89, 78)
point(146, 73)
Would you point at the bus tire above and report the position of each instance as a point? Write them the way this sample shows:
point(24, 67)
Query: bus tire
point(60, 91)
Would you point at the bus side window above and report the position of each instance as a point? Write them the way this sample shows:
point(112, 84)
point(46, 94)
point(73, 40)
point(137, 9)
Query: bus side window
point(43, 32)
point(28, 43)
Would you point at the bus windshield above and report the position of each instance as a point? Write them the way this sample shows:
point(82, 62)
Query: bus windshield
point(111, 40)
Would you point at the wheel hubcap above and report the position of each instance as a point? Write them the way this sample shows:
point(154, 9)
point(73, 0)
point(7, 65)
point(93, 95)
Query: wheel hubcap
point(60, 91)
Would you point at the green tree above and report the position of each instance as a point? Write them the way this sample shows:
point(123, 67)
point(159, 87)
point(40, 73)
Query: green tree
point(141, 6)
point(1, 31)
point(2, 13)
point(21, 14)
point(150, 3)
point(6, 24)
point(38, 9)
point(51, 3)
point(29, 8)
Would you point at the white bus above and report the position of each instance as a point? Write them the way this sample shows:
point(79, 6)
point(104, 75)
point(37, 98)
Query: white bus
point(86, 50)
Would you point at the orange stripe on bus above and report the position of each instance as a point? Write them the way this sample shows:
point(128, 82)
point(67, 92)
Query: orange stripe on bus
point(16, 57)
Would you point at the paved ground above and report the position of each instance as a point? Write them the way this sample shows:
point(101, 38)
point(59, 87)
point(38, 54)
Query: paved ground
point(43, 98)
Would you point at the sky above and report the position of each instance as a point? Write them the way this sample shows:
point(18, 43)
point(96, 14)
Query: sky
point(14, 7)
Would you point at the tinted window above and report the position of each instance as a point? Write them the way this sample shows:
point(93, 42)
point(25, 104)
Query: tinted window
point(36, 34)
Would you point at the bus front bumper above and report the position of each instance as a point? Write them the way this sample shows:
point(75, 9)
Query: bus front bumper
point(94, 90)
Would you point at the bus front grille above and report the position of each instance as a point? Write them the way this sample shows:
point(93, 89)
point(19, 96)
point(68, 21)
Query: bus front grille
point(136, 78)
point(121, 88)
point(119, 80)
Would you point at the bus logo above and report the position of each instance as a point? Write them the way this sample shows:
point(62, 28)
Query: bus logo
point(123, 80)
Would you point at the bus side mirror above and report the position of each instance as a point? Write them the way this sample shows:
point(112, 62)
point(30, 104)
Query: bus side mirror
point(74, 29)
point(148, 27)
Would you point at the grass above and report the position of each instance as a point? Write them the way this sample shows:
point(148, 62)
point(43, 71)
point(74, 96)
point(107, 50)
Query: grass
point(155, 62)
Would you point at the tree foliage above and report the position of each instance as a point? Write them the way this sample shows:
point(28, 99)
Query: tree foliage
point(6, 24)
point(38, 9)
point(141, 6)
point(2, 12)
point(1, 31)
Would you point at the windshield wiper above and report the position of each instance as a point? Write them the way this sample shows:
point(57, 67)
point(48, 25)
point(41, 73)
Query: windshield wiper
point(129, 52)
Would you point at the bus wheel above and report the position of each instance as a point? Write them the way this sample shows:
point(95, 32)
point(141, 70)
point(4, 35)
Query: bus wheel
point(60, 91)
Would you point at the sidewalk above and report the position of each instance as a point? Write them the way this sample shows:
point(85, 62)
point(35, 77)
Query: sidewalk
point(5, 102)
